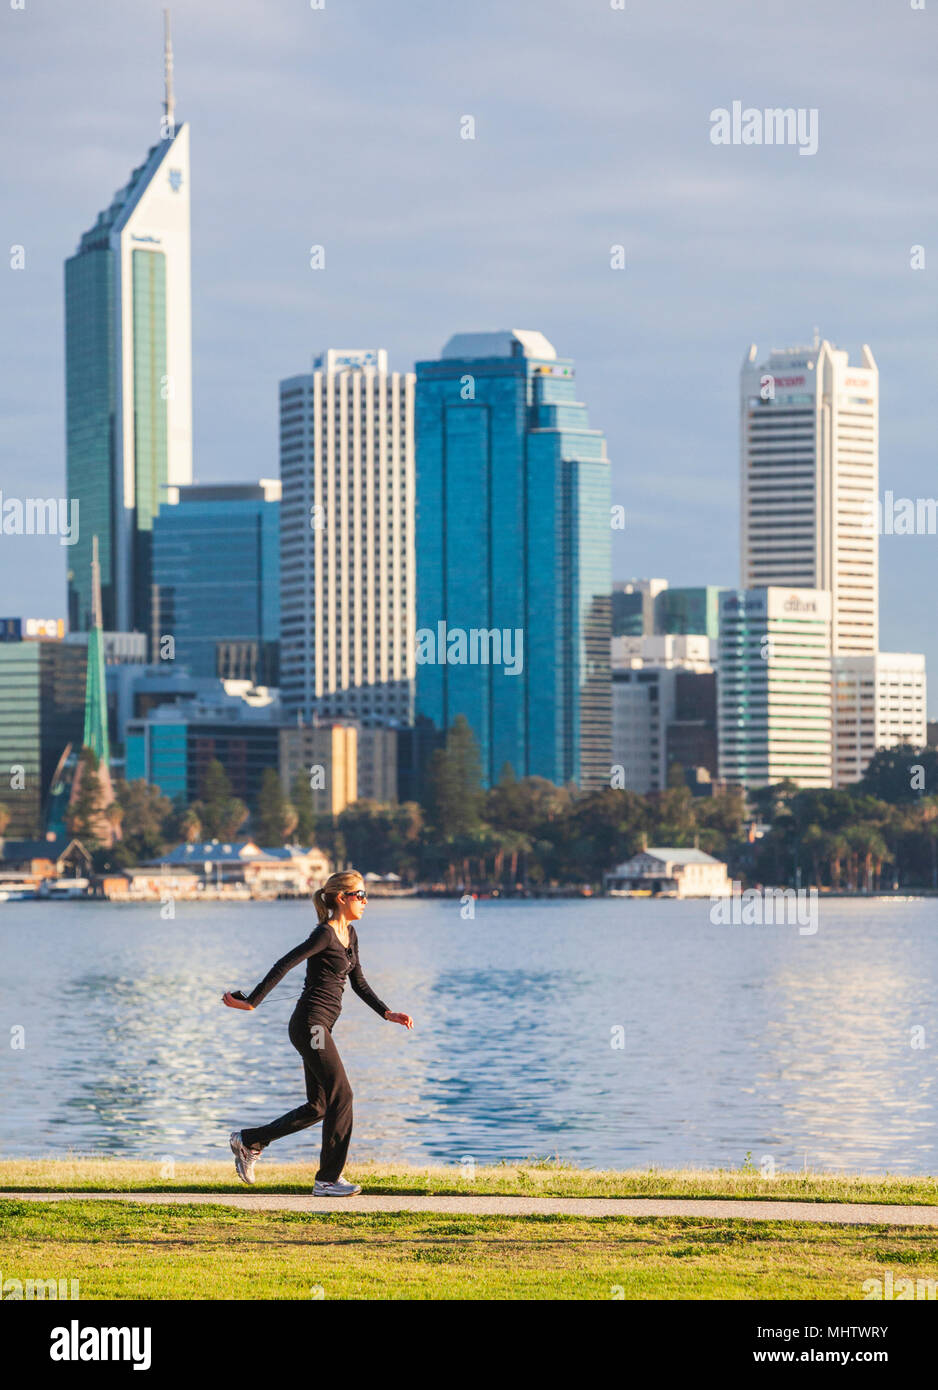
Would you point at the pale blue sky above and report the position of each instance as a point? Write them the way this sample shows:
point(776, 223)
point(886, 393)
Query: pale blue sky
point(340, 126)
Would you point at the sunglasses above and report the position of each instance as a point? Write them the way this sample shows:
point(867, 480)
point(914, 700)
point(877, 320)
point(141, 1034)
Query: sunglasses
point(362, 897)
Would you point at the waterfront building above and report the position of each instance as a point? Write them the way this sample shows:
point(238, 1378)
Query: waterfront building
point(665, 871)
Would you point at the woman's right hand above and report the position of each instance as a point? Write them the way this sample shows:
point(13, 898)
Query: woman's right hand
point(233, 1003)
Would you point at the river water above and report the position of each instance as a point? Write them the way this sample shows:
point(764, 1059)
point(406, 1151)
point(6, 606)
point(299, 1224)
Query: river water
point(610, 1033)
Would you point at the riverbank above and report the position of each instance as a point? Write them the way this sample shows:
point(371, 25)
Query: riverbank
point(138, 1242)
point(237, 893)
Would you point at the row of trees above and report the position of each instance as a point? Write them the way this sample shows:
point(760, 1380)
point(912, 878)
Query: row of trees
point(883, 831)
point(149, 823)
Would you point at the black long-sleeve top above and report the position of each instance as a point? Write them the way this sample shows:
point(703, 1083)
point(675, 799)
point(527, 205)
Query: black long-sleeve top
point(328, 965)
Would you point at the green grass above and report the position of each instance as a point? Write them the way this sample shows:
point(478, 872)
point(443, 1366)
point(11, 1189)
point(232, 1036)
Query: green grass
point(119, 1251)
point(536, 1177)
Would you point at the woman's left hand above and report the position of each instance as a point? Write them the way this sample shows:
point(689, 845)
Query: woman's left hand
point(404, 1019)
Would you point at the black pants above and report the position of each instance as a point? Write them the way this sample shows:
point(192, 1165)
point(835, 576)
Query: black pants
point(328, 1098)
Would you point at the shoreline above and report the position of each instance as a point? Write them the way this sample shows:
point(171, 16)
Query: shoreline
point(907, 895)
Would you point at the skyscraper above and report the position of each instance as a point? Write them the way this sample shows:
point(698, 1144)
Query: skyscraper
point(128, 375)
point(810, 455)
point(347, 539)
point(216, 579)
point(513, 540)
point(774, 687)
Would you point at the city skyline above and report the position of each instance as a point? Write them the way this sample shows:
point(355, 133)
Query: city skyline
point(444, 268)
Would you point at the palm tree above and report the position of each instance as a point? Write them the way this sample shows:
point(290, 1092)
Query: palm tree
point(813, 840)
point(837, 850)
point(867, 845)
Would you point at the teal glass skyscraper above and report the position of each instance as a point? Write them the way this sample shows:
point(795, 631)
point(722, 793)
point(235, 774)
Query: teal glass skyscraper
point(128, 377)
point(513, 558)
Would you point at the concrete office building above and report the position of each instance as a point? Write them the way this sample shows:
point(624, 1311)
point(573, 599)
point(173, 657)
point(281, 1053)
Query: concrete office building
point(879, 702)
point(326, 756)
point(646, 675)
point(347, 539)
point(809, 450)
point(128, 367)
point(341, 762)
point(774, 687)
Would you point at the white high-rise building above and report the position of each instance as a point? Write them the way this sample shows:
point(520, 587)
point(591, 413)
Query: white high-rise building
point(774, 687)
point(128, 356)
point(347, 551)
point(809, 464)
point(879, 702)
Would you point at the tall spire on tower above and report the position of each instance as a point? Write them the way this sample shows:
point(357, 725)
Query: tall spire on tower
point(95, 735)
point(96, 618)
point(169, 103)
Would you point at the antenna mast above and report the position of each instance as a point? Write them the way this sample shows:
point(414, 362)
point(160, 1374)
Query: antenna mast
point(169, 104)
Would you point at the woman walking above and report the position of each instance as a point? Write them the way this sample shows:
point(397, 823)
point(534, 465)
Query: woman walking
point(331, 955)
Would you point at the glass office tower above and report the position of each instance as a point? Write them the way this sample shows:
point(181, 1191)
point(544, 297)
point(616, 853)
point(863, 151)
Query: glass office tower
point(216, 579)
point(684, 612)
point(128, 378)
point(513, 543)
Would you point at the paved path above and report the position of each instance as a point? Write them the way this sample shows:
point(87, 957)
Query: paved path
point(839, 1213)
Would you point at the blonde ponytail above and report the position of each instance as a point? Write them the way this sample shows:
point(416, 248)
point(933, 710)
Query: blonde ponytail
point(324, 898)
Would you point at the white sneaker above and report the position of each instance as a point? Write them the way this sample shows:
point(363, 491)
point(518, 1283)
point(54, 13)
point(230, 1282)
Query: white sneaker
point(245, 1158)
point(339, 1188)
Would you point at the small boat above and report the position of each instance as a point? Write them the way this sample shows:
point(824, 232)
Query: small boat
point(15, 895)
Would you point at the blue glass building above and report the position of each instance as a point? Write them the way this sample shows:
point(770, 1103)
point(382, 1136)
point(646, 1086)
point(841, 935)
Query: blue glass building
point(513, 537)
point(216, 580)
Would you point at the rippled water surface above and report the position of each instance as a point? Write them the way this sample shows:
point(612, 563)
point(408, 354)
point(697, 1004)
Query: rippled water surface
point(737, 1039)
